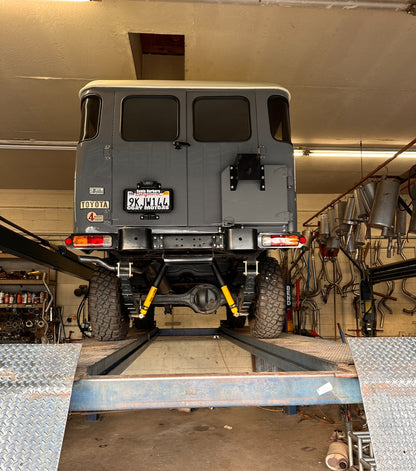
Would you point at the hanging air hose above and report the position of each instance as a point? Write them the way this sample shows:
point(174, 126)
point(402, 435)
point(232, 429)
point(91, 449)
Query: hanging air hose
point(84, 327)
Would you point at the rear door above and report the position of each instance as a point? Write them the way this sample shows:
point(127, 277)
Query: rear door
point(221, 124)
point(149, 170)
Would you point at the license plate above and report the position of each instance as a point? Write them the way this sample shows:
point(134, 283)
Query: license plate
point(148, 200)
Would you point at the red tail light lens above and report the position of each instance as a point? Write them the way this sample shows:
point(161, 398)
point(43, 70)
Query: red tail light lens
point(274, 240)
point(91, 241)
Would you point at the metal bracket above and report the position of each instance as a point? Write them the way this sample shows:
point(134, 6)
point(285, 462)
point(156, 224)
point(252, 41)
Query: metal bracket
point(246, 269)
point(150, 216)
point(247, 167)
point(251, 270)
point(148, 185)
point(122, 270)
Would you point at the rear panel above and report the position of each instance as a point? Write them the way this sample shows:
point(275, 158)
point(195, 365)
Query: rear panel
point(191, 161)
point(93, 185)
point(144, 154)
point(214, 145)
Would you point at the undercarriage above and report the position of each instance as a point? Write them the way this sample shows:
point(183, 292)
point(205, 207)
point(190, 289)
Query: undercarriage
point(202, 282)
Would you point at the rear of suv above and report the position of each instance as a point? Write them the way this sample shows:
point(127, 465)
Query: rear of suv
point(184, 188)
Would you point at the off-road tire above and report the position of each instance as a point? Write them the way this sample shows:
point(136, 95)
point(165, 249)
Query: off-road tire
point(270, 306)
point(108, 321)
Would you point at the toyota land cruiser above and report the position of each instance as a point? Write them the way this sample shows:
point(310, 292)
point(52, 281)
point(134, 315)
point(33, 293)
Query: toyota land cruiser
point(185, 187)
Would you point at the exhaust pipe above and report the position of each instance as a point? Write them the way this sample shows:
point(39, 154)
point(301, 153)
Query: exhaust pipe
point(412, 223)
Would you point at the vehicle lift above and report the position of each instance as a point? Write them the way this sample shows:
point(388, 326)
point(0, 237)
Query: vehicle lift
point(289, 371)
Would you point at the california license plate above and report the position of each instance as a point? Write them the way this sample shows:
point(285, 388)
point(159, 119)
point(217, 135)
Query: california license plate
point(148, 200)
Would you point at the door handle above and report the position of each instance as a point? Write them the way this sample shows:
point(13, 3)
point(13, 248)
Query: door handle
point(179, 144)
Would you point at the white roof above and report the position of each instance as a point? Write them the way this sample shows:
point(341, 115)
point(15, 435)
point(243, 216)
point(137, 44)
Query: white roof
point(182, 84)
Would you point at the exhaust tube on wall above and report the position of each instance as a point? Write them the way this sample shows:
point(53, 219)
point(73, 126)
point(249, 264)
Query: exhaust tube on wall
point(412, 223)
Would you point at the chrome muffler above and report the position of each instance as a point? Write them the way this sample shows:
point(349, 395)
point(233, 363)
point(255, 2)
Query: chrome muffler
point(324, 226)
point(385, 203)
point(364, 198)
point(340, 207)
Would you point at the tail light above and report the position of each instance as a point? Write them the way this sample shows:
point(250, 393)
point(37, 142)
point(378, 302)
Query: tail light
point(90, 241)
point(279, 240)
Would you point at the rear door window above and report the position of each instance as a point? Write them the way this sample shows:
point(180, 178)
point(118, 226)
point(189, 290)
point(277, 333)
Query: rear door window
point(150, 118)
point(221, 119)
point(90, 115)
point(278, 108)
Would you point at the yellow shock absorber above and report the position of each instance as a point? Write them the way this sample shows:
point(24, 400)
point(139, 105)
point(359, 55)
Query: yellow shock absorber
point(148, 301)
point(225, 290)
point(230, 300)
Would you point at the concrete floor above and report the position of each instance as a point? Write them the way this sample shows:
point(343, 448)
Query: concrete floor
point(249, 438)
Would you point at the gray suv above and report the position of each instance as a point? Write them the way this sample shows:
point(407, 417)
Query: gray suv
point(184, 187)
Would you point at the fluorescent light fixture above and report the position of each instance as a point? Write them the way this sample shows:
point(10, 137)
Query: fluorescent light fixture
point(347, 153)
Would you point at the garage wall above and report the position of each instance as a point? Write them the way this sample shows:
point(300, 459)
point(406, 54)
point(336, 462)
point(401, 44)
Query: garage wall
point(396, 323)
point(48, 213)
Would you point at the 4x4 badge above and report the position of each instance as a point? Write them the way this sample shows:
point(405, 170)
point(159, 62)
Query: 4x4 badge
point(94, 217)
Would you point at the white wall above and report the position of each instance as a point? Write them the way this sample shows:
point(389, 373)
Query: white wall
point(48, 213)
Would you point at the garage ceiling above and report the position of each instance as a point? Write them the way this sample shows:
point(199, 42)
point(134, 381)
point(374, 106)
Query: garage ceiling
point(351, 72)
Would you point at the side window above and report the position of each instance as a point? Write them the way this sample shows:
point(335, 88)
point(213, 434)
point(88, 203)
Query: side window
point(221, 119)
point(150, 118)
point(278, 108)
point(90, 116)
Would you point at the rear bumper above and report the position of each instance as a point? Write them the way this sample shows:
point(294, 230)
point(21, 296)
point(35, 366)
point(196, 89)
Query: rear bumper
point(129, 239)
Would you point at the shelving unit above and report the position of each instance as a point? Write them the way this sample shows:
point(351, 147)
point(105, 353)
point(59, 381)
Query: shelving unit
point(27, 322)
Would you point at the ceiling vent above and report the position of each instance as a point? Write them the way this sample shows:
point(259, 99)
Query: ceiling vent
point(158, 56)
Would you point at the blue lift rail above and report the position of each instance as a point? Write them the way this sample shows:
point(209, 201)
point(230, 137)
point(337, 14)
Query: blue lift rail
point(291, 370)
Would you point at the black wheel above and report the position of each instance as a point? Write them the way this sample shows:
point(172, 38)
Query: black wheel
point(148, 322)
point(108, 321)
point(270, 307)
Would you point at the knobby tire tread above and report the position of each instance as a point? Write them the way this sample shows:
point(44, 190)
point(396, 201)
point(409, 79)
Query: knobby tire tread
point(270, 305)
point(108, 322)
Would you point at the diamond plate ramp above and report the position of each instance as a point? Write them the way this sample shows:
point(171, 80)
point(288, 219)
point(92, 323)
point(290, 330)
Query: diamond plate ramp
point(35, 390)
point(386, 370)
